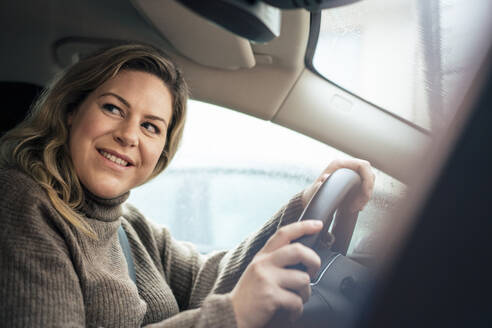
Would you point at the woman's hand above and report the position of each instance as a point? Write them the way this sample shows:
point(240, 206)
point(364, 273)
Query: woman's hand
point(360, 166)
point(267, 285)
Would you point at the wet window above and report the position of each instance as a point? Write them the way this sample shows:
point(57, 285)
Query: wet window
point(233, 172)
point(414, 58)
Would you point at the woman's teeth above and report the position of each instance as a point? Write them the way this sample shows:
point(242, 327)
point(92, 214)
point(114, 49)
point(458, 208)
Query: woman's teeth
point(113, 158)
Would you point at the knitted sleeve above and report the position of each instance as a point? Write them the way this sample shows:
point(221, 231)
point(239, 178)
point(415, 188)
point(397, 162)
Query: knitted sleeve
point(38, 285)
point(201, 283)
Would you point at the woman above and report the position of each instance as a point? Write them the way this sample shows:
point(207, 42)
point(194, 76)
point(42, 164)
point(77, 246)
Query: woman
point(109, 123)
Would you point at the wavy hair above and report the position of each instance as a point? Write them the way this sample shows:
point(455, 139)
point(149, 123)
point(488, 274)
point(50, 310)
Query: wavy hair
point(38, 146)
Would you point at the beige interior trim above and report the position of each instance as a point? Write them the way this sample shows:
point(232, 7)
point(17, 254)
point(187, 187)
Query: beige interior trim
point(258, 91)
point(196, 38)
point(323, 111)
point(270, 81)
point(289, 49)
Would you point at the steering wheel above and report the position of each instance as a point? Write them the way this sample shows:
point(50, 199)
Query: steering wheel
point(335, 194)
point(341, 283)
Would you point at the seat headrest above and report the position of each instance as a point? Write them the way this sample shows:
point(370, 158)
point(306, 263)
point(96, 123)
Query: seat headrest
point(17, 98)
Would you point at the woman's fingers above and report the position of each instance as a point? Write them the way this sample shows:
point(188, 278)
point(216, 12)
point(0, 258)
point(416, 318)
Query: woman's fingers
point(267, 285)
point(368, 178)
point(296, 281)
point(290, 302)
point(296, 253)
point(291, 232)
point(265, 288)
point(362, 167)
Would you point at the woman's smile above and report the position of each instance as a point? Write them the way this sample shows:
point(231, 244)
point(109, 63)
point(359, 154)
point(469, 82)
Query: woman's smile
point(113, 157)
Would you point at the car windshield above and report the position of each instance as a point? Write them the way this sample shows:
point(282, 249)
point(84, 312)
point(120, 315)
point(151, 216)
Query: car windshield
point(414, 59)
point(233, 171)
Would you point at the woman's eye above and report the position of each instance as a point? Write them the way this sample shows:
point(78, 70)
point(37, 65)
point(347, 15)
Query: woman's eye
point(112, 109)
point(151, 127)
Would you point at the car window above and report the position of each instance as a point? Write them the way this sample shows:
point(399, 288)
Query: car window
point(415, 59)
point(233, 171)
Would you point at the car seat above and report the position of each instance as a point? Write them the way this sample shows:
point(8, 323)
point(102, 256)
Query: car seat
point(17, 98)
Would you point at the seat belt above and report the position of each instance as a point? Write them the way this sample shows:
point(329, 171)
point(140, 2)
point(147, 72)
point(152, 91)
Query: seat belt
point(125, 245)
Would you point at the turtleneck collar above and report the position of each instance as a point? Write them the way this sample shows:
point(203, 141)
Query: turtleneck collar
point(103, 209)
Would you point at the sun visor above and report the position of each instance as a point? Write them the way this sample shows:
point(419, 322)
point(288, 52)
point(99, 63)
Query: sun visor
point(195, 37)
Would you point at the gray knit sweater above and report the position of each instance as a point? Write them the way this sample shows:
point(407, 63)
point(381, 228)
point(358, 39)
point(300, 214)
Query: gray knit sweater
point(52, 275)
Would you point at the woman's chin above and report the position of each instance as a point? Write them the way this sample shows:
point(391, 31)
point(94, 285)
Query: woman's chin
point(106, 192)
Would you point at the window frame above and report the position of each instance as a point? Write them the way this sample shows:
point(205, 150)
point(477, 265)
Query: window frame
point(314, 31)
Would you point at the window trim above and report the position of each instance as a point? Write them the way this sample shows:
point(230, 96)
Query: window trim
point(314, 31)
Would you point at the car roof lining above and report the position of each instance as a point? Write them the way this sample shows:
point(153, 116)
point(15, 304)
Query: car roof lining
point(277, 64)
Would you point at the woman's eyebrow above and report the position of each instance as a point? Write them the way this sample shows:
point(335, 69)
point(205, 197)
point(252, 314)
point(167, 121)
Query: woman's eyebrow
point(156, 118)
point(120, 98)
point(127, 104)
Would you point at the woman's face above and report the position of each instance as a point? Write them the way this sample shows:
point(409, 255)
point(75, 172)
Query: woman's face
point(118, 133)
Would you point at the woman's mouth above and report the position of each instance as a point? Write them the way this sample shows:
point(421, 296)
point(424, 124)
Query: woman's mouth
point(114, 158)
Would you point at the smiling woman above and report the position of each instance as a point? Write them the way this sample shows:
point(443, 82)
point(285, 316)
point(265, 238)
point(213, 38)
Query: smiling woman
point(109, 123)
point(40, 144)
point(118, 132)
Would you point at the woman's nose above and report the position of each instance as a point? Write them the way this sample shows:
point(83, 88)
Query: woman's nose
point(127, 134)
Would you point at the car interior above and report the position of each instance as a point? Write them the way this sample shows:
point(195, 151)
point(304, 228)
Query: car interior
point(425, 231)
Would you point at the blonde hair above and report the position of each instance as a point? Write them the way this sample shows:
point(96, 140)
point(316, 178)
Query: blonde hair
point(38, 146)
